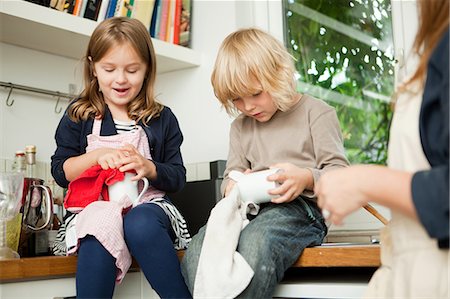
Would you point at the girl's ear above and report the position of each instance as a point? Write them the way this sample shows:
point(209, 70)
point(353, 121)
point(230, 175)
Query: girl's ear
point(91, 65)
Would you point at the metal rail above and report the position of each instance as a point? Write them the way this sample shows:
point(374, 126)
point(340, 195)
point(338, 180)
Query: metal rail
point(13, 86)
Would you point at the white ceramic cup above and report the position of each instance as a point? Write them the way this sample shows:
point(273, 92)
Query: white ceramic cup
point(118, 190)
point(254, 187)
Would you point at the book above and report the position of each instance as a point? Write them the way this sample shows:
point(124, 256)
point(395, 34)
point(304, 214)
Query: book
point(83, 8)
point(103, 10)
point(129, 5)
point(185, 23)
point(121, 10)
point(177, 22)
point(111, 9)
point(153, 23)
point(170, 21)
point(163, 19)
point(143, 11)
point(158, 19)
point(92, 9)
point(57, 4)
point(45, 3)
point(77, 7)
point(69, 6)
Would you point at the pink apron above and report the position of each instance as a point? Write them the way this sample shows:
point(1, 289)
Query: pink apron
point(104, 220)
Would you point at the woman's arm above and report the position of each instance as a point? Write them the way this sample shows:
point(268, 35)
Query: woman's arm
point(344, 191)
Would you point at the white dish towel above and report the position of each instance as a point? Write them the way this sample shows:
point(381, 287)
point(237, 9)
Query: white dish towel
point(222, 272)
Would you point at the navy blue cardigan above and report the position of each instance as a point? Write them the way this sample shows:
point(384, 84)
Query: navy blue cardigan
point(164, 137)
point(430, 187)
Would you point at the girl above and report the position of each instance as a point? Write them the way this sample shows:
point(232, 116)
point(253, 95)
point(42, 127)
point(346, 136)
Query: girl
point(277, 127)
point(117, 124)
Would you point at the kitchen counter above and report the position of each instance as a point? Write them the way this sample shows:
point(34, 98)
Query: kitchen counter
point(325, 256)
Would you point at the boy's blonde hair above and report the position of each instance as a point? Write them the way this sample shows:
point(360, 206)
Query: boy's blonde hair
point(108, 34)
point(248, 56)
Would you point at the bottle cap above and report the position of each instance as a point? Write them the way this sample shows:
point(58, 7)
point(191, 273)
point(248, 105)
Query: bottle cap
point(19, 153)
point(30, 149)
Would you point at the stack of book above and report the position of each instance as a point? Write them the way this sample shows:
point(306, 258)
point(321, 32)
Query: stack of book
point(166, 20)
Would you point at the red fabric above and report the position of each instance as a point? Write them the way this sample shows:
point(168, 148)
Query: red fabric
point(88, 187)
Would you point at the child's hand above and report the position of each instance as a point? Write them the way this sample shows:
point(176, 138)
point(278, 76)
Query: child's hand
point(109, 158)
point(294, 180)
point(232, 182)
point(133, 160)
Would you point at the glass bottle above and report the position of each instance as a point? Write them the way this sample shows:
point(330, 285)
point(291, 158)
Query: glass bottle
point(30, 154)
point(19, 164)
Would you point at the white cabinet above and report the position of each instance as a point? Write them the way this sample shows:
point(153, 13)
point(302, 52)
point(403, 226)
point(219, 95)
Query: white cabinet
point(133, 286)
point(41, 28)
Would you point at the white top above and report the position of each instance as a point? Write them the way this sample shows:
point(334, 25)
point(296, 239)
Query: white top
point(405, 149)
point(412, 266)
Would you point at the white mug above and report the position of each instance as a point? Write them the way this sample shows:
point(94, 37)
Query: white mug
point(254, 187)
point(118, 190)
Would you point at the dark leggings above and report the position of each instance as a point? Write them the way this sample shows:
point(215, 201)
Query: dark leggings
point(149, 237)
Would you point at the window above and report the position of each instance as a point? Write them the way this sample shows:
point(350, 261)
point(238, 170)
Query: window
point(345, 56)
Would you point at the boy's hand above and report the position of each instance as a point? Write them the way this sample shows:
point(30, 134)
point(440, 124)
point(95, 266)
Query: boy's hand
point(294, 180)
point(232, 182)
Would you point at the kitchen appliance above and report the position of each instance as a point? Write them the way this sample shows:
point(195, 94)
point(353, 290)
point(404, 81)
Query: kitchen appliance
point(11, 188)
point(37, 202)
point(197, 198)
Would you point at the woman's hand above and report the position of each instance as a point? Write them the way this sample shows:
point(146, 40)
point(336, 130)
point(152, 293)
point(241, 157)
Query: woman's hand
point(340, 192)
point(294, 180)
point(131, 159)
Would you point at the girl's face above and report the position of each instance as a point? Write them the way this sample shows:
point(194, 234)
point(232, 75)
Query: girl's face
point(259, 106)
point(120, 74)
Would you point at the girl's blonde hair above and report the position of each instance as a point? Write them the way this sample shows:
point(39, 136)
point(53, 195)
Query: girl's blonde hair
point(250, 55)
point(106, 36)
point(433, 23)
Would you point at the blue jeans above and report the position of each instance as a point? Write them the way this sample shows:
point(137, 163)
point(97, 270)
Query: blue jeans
point(149, 237)
point(270, 244)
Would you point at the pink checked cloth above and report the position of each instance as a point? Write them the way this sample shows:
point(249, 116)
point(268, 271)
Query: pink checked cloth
point(104, 219)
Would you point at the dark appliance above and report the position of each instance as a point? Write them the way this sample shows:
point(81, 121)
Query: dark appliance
point(197, 198)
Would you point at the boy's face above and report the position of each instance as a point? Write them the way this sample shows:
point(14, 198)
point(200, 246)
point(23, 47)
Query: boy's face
point(259, 106)
point(120, 74)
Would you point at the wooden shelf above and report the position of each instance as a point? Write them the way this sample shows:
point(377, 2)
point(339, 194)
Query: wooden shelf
point(41, 28)
point(56, 266)
point(340, 256)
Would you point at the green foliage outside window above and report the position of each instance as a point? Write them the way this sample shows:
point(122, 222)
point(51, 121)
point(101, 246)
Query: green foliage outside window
point(344, 55)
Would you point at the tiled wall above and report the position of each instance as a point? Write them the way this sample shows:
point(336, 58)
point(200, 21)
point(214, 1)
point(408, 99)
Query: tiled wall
point(358, 221)
point(197, 171)
point(42, 172)
point(194, 172)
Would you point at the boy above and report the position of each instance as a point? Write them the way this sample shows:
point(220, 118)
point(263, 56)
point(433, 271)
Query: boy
point(277, 127)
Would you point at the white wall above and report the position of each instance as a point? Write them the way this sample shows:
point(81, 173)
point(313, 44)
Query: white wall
point(32, 120)
point(204, 123)
point(189, 93)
